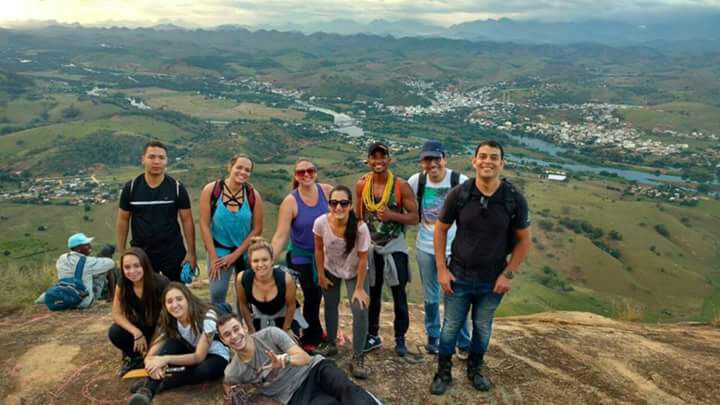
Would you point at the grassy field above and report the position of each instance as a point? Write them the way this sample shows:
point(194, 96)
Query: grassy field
point(209, 108)
point(20, 143)
point(678, 116)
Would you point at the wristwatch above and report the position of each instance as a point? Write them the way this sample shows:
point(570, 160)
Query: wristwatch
point(509, 274)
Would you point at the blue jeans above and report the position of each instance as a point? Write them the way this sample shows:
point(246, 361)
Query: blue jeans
point(431, 290)
point(466, 296)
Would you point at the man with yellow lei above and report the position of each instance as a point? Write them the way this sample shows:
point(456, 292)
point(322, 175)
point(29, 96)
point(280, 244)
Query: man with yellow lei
point(387, 204)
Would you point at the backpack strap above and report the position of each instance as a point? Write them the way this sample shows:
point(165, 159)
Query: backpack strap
point(246, 282)
point(422, 181)
point(280, 282)
point(464, 194)
point(216, 193)
point(79, 268)
point(250, 195)
point(509, 199)
point(177, 189)
point(454, 178)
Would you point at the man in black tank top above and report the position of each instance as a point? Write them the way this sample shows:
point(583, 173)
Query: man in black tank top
point(150, 205)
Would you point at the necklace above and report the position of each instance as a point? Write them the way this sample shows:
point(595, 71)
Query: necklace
point(369, 199)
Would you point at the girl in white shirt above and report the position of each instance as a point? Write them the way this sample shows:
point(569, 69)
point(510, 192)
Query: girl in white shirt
point(341, 254)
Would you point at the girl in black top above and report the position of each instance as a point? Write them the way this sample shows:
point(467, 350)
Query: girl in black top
point(266, 294)
point(136, 307)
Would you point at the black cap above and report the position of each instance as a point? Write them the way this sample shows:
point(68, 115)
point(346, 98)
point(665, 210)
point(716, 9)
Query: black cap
point(378, 146)
point(433, 149)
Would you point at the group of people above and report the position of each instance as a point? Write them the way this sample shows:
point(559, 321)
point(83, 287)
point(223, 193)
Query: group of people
point(473, 236)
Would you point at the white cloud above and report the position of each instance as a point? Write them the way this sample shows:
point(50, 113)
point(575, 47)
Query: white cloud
point(253, 12)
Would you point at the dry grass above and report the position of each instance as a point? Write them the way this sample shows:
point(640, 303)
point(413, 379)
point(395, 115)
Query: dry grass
point(22, 284)
point(628, 311)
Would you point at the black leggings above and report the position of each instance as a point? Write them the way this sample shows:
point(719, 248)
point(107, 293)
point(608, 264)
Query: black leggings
point(399, 295)
point(125, 341)
point(326, 384)
point(213, 367)
point(311, 306)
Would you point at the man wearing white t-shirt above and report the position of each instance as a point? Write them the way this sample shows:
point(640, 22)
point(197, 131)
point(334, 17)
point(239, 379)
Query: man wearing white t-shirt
point(431, 186)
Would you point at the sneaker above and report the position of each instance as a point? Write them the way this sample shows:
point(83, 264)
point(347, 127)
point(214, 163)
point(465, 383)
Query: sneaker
point(357, 367)
point(462, 354)
point(327, 349)
point(372, 343)
point(433, 345)
point(131, 363)
point(142, 397)
point(400, 347)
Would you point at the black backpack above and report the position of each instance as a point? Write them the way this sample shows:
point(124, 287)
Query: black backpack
point(422, 181)
point(509, 202)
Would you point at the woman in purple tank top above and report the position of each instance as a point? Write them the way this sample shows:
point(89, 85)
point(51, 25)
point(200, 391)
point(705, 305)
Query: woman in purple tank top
point(298, 211)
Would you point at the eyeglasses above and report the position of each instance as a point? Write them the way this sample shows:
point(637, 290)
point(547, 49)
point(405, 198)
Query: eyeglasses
point(342, 203)
point(310, 171)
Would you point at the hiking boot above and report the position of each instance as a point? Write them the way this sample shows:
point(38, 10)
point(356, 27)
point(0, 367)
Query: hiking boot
point(474, 373)
point(357, 367)
point(131, 363)
point(400, 347)
point(443, 377)
point(327, 349)
point(462, 354)
point(433, 345)
point(139, 383)
point(142, 397)
point(372, 343)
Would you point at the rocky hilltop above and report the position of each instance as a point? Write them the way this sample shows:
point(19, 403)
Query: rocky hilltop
point(558, 357)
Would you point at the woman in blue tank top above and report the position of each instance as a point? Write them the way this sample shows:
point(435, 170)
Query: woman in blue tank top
point(231, 212)
point(298, 211)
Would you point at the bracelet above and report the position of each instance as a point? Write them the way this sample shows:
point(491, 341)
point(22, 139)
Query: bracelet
point(140, 337)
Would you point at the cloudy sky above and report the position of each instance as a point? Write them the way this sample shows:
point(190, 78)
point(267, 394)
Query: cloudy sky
point(256, 12)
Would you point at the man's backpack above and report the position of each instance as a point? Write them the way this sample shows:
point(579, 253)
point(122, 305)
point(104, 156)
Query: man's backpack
point(69, 291)
point(422, 181)
point(217, 190)
point(509, 202)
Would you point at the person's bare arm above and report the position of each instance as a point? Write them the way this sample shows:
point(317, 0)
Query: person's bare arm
point(290, 302)
point(286, 213)
point(520, 250)
point(359, 205)
point(320, 263)
point(206, 230)
point(188, 227)
point(242, 303)
point(445, 278)
point(121, 229)
point(117, 314)
point(409, 215)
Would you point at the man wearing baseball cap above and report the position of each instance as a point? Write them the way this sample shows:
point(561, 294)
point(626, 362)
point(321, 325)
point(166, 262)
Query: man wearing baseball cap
point(387, 204)
point(95, 267)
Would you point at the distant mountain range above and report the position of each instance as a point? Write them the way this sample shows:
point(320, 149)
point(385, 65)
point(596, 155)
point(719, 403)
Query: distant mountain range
point(703, 30)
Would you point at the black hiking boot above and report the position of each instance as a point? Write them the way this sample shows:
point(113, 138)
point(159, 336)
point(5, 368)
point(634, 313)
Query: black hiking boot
point(142, 397)
point(443, 377)
point(474, 372)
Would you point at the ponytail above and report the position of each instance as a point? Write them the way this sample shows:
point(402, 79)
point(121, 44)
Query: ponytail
point(351, 231)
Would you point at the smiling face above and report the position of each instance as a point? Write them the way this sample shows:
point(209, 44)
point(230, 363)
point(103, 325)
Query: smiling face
point(132, 269)
point(241, 170)
point(488, 162)
point(305, 173)
point(261, 262)
point(339, 204)
point(155, 160)
point(176, 304)
point(378, 162)
point(234, 334)
point(434, 167)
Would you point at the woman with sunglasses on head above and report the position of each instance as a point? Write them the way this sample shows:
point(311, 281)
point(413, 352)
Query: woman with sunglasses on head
point(341, 252)
point(231, 212)
point(136, 307)
point(266, 295)
point(185, 338)
point(298, 211)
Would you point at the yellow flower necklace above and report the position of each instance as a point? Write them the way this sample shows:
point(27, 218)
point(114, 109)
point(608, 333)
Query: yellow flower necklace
point(367, 195)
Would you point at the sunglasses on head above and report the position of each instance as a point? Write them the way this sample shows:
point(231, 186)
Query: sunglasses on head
point(310, 171)
point(342, 203)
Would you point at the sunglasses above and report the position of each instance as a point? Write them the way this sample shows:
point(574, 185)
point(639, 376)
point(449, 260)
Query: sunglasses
point(342, 203)
point(484, 202)
point(310, 171)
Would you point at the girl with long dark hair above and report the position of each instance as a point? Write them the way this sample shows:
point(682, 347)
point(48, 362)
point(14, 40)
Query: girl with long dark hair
point(186, 338)
point(341, 253)
point(136, 307)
